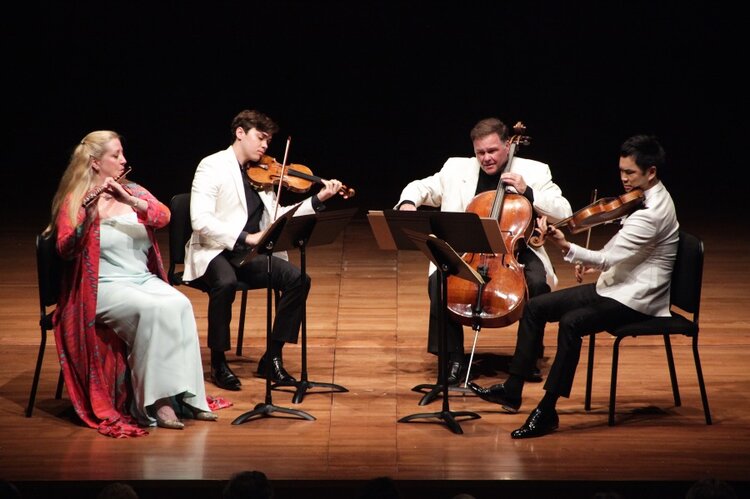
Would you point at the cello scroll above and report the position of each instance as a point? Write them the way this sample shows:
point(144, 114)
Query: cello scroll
point(519, 137)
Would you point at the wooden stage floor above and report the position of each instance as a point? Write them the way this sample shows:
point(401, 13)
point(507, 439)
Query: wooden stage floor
point(367, 316)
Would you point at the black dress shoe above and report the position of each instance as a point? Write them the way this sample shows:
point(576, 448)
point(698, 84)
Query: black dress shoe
point(538, 423)
point(497, 395)
point(535, 376)
point(456, 372)
point(278, 373)
point(223, 377)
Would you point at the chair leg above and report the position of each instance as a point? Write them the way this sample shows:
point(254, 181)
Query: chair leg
point(243, 310)
point(37, 372)
point(590, 373)
point(701, 383)
point(58, 391)
point(672, 371)
point(613, 382)
point(241, 330)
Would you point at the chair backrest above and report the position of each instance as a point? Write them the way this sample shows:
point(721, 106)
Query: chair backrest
point(180, 230)
point(687, 275)
point(48, 269)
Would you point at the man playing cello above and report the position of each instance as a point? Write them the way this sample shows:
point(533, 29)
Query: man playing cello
point(455, 186)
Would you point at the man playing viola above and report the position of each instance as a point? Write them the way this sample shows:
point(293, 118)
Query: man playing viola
point(636, 266)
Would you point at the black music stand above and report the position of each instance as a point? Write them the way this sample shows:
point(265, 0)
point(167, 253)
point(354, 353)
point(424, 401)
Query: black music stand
point(465, 232)
point(300, 232)
point(395, 230)
point(267, 246)
point(448, 262)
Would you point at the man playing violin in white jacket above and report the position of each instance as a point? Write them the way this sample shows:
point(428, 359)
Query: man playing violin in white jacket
point(229, 216)
point(636, 267)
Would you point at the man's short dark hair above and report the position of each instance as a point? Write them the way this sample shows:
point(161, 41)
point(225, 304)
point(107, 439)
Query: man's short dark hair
point(487, 127)
point(248, 119)
point(645, 150)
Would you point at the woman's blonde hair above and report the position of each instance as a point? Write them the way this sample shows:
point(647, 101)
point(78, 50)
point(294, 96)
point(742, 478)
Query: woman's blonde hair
point(78, 178)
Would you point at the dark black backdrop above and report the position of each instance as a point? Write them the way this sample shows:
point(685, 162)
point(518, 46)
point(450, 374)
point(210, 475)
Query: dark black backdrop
point(376, 93)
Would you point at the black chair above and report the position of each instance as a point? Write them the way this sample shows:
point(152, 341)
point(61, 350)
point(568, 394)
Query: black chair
point(685, 295)
point(48, 275)
point(180, 230)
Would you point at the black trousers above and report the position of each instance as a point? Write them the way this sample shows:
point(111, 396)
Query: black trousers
point(221, 278)
point(580, 311)
point(536, 282)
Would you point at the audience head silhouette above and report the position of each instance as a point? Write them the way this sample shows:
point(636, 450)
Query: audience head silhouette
point(117, 490)
point(711, 488)
point(380, 488)
point(248, 485)
point(9, 490)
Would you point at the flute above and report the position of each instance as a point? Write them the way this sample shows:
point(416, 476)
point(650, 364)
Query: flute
point(94, 194)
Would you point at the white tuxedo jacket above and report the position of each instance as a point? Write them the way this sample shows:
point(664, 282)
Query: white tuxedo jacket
point(637, 262)
point(454, 186)
point(218, 211)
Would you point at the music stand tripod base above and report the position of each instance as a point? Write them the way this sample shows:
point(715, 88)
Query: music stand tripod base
point(263, 409)
point(433, 392)
point(304, 385)
point(449, 417)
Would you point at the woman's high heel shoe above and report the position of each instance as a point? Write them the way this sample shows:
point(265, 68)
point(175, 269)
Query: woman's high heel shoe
point(172, 424)
point(205, 416)
point(167, 418)
point(199, 414)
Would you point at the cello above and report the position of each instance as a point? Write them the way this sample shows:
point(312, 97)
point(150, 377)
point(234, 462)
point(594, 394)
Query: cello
point(500, 300)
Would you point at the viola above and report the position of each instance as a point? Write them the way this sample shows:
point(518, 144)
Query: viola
point(498, 302)
point(602, 211)
point(297, 178)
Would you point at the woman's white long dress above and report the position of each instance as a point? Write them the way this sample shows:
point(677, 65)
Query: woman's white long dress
point(155, 320)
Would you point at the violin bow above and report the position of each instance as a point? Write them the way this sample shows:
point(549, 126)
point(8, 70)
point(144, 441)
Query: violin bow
point(281, 179)
point(594, 194)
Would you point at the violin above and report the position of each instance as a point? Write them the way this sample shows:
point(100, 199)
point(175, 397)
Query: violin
point(297, 178)
point(602, 211)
